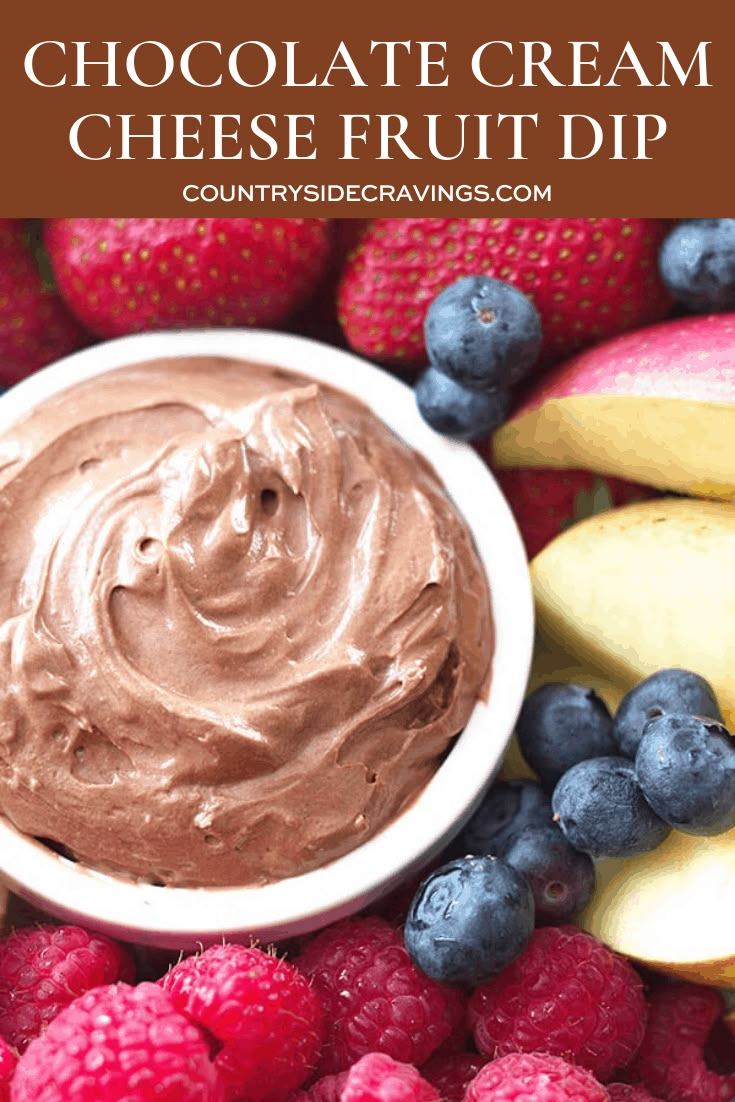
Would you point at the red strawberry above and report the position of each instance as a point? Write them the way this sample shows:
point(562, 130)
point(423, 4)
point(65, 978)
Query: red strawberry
point(588, 277)
point(122, 275)
point(546, 502)
point(35, 326)
point(317, 317)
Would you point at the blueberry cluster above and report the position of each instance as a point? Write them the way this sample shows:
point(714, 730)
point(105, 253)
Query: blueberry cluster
point(510, 869)
point(672, 764)
point(608, 787)
point(482, 337)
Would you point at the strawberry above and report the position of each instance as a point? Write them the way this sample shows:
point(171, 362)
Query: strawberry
point(35, 326)
point(317, 317)
point(122, 275)
point(547, 502)
point(588, 277)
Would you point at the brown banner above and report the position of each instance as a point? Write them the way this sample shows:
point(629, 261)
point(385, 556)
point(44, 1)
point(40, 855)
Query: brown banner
point(565, 109)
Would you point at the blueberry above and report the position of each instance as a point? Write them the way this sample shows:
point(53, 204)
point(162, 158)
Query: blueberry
point(468, 920)
point(561, 878)
point(508, 807)
point(457, 411)
point(669, 690)
point(602, 811)
point(697, 263)
point(561, 724)
point(483, 332)
point(686, 769)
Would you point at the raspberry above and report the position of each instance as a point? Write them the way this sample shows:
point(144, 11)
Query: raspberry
point(374, 997)
point(379, 1078)
point(534, 1077)
point(671, 1059)
point(374, 1078)
point(460, 1039)
point(7, 1069)
point(260, 1009)
point(568, 995)
point(450, 1073)
point(326, 1089)
point(118, 1044)
point(625, 1092)
point(44, 968)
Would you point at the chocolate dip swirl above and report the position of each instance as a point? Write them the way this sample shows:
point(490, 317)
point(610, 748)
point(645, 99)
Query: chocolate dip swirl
point(241, 622)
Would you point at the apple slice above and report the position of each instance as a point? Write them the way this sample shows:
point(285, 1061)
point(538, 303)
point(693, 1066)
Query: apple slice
point(671, 908)
point(656, 406)
point(642, 587)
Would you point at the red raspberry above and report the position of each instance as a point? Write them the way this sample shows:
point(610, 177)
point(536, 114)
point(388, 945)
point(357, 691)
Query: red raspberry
point(568, 995)
point(625, 1092)
point(671, 1059)
point(450, 1073)
point(374, 1078)
point(260, 1009)
point(326, 1089)
point(459, 1040)
point(374, 997)
point(43, 968)
point(7, 1070)
point(534, 1077)
point(118, 1044)
point(378, 1078)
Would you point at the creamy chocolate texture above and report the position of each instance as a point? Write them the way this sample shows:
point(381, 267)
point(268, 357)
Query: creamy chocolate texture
point(240, 623)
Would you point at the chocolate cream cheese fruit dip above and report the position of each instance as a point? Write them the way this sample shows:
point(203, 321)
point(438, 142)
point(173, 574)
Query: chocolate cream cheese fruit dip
point(240, 623)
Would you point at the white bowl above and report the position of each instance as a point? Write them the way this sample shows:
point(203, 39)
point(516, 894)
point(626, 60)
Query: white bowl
point(185, 917)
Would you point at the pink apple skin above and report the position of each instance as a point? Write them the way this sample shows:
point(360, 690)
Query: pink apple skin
point(651, 362)
point(655, 406)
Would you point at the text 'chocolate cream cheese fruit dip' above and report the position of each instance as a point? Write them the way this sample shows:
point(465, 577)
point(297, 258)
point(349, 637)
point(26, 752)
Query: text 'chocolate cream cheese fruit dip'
point(240, 623)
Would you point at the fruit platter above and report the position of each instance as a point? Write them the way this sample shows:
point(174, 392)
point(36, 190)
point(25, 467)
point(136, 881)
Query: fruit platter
point(367, 720)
